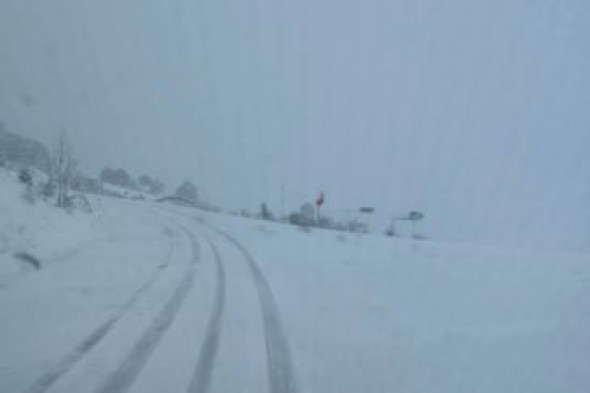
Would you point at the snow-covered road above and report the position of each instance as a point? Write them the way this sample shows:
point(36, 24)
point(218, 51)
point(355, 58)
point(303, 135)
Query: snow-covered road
point(204, 320)
point(160, 298)
point(130, 368)
point(201, 379)
point(280, 366)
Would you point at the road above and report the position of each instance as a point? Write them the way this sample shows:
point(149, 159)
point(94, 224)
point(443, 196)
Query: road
point(206, 323)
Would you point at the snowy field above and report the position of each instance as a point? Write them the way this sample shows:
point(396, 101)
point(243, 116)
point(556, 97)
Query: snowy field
point(368, 314)
point(141, 297)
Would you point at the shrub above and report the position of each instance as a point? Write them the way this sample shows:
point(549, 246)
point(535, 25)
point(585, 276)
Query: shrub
point(25, 177)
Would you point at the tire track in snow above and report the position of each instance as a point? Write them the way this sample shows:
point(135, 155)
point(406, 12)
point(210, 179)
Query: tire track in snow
point(125, 375)
point(50, 377)
point(202, 375)
point(281, 372)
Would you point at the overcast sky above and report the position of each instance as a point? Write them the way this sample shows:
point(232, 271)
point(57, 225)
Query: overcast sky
point(474, 111)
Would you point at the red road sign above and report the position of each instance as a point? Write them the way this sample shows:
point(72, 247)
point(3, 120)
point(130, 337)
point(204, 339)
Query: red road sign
point(320, 200)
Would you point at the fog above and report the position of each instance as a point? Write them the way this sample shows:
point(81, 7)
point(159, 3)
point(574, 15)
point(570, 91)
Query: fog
point(475, 112)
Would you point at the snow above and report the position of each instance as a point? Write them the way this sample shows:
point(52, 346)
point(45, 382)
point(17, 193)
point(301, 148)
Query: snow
point(126, 192)
point(359, 312)
point(51, 235)
point(474, 112)
point(372, 314)
point(92, 265)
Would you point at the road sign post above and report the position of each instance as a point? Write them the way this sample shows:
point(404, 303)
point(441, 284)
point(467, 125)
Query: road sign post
point(368, 212)
point(413, 217)
point(318, 203)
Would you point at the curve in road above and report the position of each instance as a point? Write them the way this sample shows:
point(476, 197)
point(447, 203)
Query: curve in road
point(125, 375)
point(281, 372)
point(44, 382)
point(202, 375)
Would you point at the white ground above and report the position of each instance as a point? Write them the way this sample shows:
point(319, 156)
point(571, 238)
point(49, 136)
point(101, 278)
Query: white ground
point(139, 297)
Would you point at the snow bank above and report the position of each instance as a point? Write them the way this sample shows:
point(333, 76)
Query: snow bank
point(94, 266)
point(39, 229)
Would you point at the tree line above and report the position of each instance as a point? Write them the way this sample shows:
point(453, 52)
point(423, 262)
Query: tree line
point(62, 178)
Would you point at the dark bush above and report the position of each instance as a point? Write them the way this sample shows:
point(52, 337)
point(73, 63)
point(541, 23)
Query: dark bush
point(25, 177)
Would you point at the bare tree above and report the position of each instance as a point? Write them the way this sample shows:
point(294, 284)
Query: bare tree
point(64, 168)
